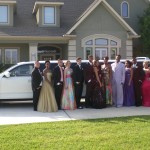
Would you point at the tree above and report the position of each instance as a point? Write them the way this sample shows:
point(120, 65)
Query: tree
point(145, 30)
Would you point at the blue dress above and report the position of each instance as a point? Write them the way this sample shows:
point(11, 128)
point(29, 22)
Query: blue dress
point(129, 98)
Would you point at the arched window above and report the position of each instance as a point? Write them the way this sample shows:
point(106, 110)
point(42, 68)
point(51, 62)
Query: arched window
point(100, 46)
point(125, 9)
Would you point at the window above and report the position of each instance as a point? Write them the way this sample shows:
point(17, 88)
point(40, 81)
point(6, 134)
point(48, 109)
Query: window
point(90, 42)
point(88, 52)
point(11, 56)
point(49, 15)
point(101, 45)
point(100, 53)
point(101, 42)
point(113, 53)
point(125, 9)
point(3, 14)
point(24, 70)
point(113, 43)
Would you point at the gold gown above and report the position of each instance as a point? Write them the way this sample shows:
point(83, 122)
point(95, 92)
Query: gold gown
point(47, 101)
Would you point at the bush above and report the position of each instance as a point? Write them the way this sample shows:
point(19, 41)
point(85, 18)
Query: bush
point(4, 67)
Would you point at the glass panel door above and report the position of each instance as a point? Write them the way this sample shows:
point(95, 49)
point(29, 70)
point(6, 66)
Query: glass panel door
point(100, 53)
point(113, 53)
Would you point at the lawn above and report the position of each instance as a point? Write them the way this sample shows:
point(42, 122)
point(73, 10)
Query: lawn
point(111, 134)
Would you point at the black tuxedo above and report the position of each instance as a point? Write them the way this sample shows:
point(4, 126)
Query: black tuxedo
point(89, 80)
point(78, 77)
point(36, 81)
point(138, 77)
point(58, 85)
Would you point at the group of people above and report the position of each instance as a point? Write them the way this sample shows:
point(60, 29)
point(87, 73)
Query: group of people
point(115, 84)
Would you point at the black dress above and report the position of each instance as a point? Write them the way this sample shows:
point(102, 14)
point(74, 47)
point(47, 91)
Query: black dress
point(98, 100)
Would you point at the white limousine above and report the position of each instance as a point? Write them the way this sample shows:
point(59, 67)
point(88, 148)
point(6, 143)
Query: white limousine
point(15, 82)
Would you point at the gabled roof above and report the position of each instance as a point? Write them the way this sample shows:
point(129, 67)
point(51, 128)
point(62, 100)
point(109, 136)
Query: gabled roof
point(92, 7)
point(25, 22)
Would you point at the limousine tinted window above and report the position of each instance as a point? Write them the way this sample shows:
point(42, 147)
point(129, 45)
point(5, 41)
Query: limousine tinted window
point(23, 70)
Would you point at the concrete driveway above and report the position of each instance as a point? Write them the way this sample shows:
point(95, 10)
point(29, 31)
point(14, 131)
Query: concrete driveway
point(22, 112)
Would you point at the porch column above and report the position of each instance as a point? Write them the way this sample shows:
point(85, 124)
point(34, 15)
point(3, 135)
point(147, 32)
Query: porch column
point(72, 50)
point(33, 51)
point(129, 49)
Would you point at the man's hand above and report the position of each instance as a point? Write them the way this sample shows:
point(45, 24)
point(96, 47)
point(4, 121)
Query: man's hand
point(77, 82)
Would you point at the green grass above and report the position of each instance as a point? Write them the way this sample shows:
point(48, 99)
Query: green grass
point(112, 134)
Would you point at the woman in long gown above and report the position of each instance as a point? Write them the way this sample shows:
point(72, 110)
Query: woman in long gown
point(146, 85)
point(128, 90)
point(68, 99)
point(47, 101)
point(107, 75)
point(98, 99)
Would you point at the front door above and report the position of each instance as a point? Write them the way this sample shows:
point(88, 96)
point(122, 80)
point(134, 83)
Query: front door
point(47, 57)
point(100, 53)
point(49, 52)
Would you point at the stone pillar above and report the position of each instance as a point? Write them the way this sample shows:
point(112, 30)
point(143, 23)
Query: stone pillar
point(72, 50)
point(33, 51)
point(129, 49)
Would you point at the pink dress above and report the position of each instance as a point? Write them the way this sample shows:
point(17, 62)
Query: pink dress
point(146, 90)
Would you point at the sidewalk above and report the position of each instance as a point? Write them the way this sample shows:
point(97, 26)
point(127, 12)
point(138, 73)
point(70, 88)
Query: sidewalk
point(25, 114)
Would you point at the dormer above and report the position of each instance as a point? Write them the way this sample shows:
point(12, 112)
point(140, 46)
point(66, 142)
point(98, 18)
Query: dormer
point(47, 13)
point(7, 11)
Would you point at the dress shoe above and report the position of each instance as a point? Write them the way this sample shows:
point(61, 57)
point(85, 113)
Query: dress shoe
point(80, 107)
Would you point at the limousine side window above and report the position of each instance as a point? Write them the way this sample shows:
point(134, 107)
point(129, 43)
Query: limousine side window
point(23, 70)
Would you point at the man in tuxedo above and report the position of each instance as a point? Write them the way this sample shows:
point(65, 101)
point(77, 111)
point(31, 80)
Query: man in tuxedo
point(138, 77)
point(89, 78)
point(58, 74)
point(36, 80)
point(78, 77)
point(118, 78)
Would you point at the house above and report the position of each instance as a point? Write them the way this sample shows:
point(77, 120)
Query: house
point(52, 29)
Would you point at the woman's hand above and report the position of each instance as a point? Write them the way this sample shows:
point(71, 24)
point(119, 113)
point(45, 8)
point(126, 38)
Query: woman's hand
point(66, 86)
point(100, 84)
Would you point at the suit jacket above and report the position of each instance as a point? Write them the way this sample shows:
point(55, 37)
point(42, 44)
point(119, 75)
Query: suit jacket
point(88, 73)
point(36, 78)
point(138, 74)
point(56, 75)
point(118, 72)
point(78, 74)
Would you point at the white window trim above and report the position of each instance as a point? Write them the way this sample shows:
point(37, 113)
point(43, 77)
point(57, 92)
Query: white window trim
point(12, 49)
point(8, 16)
point(128, 9)
point(105, 36)
point(43, 21)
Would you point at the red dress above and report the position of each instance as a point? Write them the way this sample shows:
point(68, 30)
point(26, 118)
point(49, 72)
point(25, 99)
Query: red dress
point(146, 89)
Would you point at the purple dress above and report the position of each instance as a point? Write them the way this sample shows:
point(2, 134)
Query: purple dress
point(128, 91)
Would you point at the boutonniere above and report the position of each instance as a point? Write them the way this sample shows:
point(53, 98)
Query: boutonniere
point(62, 68)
